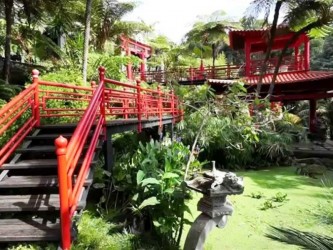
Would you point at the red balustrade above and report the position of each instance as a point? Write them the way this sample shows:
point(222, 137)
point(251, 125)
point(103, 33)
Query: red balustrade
point(181, 74)
point(91, 107)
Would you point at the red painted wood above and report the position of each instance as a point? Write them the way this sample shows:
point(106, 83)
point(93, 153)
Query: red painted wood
point(65, 220)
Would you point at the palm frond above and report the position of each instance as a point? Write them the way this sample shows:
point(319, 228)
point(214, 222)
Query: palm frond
point(306, 240)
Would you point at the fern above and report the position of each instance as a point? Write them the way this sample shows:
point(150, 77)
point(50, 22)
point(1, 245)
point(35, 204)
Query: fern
point(304, 239)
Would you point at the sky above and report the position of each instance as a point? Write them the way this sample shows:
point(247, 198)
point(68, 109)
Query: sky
point(174, 18)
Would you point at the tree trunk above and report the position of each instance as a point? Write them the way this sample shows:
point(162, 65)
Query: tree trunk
point(86, 40)
point(213, 55)
point(9, 21)
point(305, 29)
point(269, 45)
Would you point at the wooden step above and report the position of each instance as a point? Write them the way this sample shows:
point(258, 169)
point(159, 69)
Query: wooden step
point(41, 202)
point(33, 181)
point(48, 136)
point(45, 149)
point(35, 164)
point(22, 230)
point(58, 126)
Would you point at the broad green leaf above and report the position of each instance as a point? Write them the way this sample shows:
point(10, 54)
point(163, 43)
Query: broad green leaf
point(152, 201)
point(170, 175)
point(149, 181)
point(139, 176)
point(135, 197)
point(156, 223)
point(169, 190)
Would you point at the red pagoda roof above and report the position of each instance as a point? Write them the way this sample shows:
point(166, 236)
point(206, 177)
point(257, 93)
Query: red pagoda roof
point(287, 78)
point(282, 78)
point(237, 37)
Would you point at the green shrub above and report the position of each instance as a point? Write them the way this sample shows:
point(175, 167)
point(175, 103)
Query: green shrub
point(257, 195)
point(279, 197)
point(95, 233)
point(325, 209)
point(151, 183)
point(230, 135)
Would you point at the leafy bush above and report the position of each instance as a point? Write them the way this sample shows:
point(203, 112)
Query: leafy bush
point(95, 233)
point(230, 135)
point(257, 195)
point(279, 197)
point(152, 180)
point(325, 212)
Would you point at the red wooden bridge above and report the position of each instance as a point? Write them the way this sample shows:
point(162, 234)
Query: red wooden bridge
point(46, 163)
point(295, 81)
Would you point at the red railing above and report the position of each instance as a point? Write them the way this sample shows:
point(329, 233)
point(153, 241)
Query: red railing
point(68, 154)
point(181, 74)
point(91, 107)
point(133, 101)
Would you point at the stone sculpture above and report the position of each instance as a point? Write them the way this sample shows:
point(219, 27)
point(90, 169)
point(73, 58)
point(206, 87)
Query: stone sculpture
point(215, 185)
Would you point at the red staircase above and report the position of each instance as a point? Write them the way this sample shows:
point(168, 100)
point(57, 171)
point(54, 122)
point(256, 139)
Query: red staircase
point(46, 164)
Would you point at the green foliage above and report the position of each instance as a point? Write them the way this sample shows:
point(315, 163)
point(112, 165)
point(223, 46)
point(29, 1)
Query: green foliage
point(230, 135)
point(113, 65)
point(271, 203)
point(33, 247)
point(64, 75)
point(257, 195)
point(279, 197)
point(96, 233)
point(152, 180)
point(8, 91)
point(325, 209)
point(307, 240)
point(268, 204)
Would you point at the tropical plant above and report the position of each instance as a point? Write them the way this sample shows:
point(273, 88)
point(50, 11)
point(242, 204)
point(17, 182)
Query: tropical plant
point(152, 181)
point(307, 240)
point(86, 39)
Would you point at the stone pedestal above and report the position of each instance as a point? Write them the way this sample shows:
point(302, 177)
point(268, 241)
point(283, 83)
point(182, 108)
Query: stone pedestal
point(214, 206)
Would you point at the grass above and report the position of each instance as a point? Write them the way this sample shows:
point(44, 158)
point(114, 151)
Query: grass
point(247, 227)
point(289, 200)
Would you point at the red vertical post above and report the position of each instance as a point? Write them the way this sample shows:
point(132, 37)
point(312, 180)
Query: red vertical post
point(65, 220)
point(312, 121)
point(160, 105)
point(306, 53)
point(173, 106)
point(247, 58)
point(35, 108)
point(101, 70)
point(138, 105)
point(125, 106)
point(143, 66)
point(296, 66)
point(93, 87)
point(129, 65)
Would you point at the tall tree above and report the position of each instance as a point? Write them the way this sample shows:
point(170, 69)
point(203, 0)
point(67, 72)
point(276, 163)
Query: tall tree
point(9, 21)
point(212, 33)
point(312, 17)
point(256, 7)
point(86, 39)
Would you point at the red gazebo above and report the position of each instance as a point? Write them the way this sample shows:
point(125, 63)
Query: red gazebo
point(295, 81)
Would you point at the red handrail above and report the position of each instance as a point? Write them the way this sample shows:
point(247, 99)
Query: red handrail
point(35, 105)
point(68, 156)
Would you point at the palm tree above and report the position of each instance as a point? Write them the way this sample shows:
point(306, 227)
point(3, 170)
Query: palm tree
point(106, 24)
point(86, 39)
point(312, 17)
point(213, 33)
point(257, 6)
point(8, 4)
point(306, 240)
